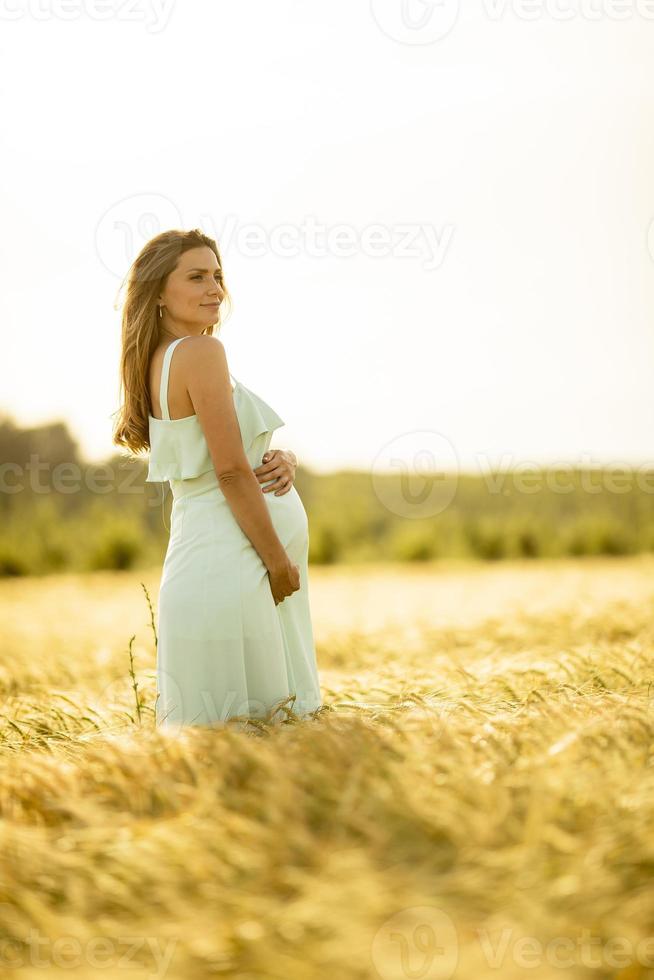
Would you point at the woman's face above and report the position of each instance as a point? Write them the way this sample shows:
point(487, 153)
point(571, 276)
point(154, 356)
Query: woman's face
point(192, 292)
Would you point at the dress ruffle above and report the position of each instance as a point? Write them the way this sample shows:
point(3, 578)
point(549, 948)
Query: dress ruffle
point(178, 448)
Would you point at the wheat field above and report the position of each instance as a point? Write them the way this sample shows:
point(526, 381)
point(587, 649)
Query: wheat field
point(475, 798)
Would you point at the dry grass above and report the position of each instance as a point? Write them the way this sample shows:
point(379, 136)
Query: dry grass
point(481, 772)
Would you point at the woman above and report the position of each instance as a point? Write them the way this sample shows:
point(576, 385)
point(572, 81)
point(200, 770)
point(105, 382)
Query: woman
point(234, 626)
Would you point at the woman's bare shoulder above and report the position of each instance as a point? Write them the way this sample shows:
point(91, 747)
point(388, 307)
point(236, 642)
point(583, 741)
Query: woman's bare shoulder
point(204, 345)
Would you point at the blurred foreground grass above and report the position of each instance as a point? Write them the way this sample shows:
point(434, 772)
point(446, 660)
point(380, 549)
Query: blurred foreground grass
point(479, 782)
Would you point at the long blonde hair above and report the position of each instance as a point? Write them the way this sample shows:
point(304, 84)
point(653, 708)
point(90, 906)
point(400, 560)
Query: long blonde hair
point(140, 328)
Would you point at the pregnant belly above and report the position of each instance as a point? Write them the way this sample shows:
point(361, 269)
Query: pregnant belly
point(289, 520)
point(205, 533)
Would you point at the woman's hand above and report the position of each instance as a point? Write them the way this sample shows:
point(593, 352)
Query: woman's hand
point(278, 465)
point(284, 580)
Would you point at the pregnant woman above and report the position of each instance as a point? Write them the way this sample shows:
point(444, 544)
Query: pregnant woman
point(234, 625)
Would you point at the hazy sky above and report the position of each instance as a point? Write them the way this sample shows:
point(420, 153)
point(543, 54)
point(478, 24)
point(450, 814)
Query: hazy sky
point(452, 206)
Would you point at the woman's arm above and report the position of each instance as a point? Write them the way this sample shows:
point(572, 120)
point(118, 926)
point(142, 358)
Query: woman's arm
point(206, 376)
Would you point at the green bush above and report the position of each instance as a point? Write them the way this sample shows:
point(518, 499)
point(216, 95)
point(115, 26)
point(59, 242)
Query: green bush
point(487, 539)
point(324, 546)
point(412, 541)
point(12, 563)
point(118, 548)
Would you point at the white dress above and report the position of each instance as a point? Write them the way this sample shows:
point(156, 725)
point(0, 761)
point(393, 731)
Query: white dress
point(224, 648)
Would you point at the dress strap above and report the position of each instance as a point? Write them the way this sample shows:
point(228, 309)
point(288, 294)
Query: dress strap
point(165, 370)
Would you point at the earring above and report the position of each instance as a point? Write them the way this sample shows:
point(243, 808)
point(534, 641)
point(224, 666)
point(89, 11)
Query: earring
point(160, 312)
